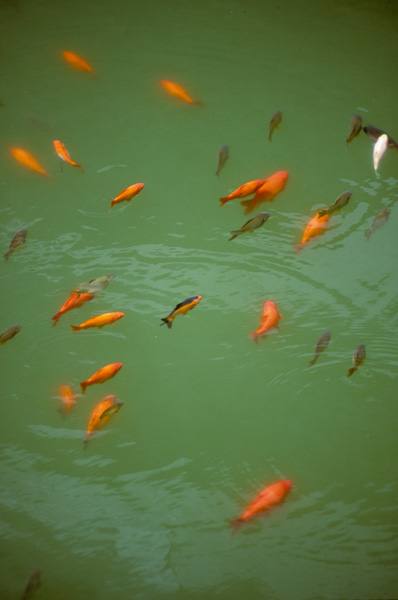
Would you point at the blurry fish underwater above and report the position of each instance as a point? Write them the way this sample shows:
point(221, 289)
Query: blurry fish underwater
point(341, 201)
point(357, 359)
point(77, 62)
point(68, 399)
point(222, 156)
point(356, 127)
point(315, 227)
point(321, 344)
point(251, 224)
point(101, 414)
point(274, 124)
point(95, 285)
point(32, 585)
point(25, 158)
point(17, 241)
point(174, 89)
point(9, 333)
point(380, 219)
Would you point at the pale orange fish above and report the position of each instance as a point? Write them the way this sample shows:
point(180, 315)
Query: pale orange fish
point(272, 186)
point(77, 62)
point(101, 414)
point(102, 375)
point(25, 158)
point(68, 398)
point(128, 193)
point(99, 321)
point(269, 320)
point(176, 90)
point(243, 190)
point(64, 154)
point(315, 227)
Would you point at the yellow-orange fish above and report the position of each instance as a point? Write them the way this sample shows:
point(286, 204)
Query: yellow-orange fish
point(68, 398)
point(128, 193)
point(271, 187)
point(101, 414)
point(315, 227)
point(99, 321)
point(102, 375)
point(77, 62)
point(25, 158)
point(64, 154)
point(269, 320)
point(243, 190)
point(176, 90)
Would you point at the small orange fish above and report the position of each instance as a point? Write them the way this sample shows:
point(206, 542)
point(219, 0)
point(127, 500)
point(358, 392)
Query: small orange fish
point(101, 414)
point(67, 397)
point(176, 90)
point(269, 320)
point(272, 186)
point(102, 375)
point(99, 321)
point(316, 226)
point(64, 154)
point(26, 159)
point(77, 62)
point(270, 496)
point(181, 309)
point(74, 301)
point(244, 190)
point(128, 193)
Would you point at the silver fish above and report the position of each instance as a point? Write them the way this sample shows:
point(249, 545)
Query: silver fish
point(357, 358)
point(251, 224)
point(321, 344)
point(374, 133)
point(222, 156)
point(341, 201)
point(378, 221)
point(95, 285)
point(379, 149)
point(9, 333)
point(356, 126)
point(274, 124)
point(17, 241)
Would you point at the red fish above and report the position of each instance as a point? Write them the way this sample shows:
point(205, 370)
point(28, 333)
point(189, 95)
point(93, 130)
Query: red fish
point(26, 159)
point(101, 414)
point(267, 191)
point(315, 227)
point(128, 193)
point(242, 191)
point(176, 90)
point(67, 397)
point(269, 320)
point(77, 62)
point(270, 496)
point(102, 375)
point(64, 154)
point(74, 301)
point(181, 309)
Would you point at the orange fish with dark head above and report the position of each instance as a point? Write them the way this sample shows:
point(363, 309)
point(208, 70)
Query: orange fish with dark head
point(243, 190)
point(269, 320)
point(77, 62)
point(271, 187)
point(25, 158)
point(102, 375)
point(74, 301)
point(176, 90)
point(101, 414)
point(315, 227)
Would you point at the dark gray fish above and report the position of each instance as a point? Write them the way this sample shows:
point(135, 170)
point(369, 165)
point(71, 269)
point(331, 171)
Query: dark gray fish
point(341, 201)
point(274, 124)
point(222, 156)
point(356, 126)
point(9, 333)
point(357, 358)
point(17, 241)
point(321, 344)
point(374, 133)
point(251, 224)
point(379, 221)
point(33, 584)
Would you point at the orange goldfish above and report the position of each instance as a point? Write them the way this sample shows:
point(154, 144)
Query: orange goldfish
point(67, 397)
point(128, 193)
point(244, 190)
point(267, 191)
point(64, 154)
point(315, 227)
point(99, 321)
point(181, 309)
point(74, 301)
point(176, 90)
point(270, 496)
point(77, 62)
point(101, 414)
point(102, 375)
point(269, 320)
point(26, 159)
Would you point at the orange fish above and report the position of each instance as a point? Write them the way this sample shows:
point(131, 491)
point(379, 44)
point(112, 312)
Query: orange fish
point(244, 190)
point(101, 414)
point(64, 154)
point(99, 321)
point(128, 193)
point(26, 159)
point(102, 375)
point(176, 90)
point(269, 320)
point(77, 62)
point(181, 309)
point(315, 227)
point(267, 191)
point(270, 496)
point(67, 397)
point(74, 301)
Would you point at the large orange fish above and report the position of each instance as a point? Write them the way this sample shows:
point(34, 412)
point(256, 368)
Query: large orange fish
point(99, 321)
point(269, 320)
point(128, 193)
point(176, 90)
point(316, 226)
point(74, 301)
point(101, 414)
point(64, 154)
point(270, 496)
point(68, 399)
point(267, 191)
point(243, 190)
point(77, 62)
point(102, 375)
point(26, 159)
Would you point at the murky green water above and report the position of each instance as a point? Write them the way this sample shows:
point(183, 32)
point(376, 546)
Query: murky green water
point(209, 417)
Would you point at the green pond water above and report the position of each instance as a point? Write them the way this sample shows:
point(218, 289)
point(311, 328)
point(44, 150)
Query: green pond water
point(209, 417)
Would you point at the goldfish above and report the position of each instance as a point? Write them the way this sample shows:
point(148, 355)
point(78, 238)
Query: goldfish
point(181, 309)
point(269, 320)
point(272, 186)
point(176, 90)
point(9, 333)
point(74, 301)
point(356, 126)
point(77, 62)
point(102, 375)
point(33, 584)
point(67, 397)
point(251, 224)
point(321, 344)
point(374, 133)
point(101, 414)
point(270, 496)
point(274, 124)
point(128, 193)
point(379, 149)
point(222, 156)
point(26, 159)
point(17, 241)
point(357, 358)
point(64, 154)
point(380, 219)
point(341, 201)
point(316, 226)
point(243, 190)
point(99, 321)
point(95, 285)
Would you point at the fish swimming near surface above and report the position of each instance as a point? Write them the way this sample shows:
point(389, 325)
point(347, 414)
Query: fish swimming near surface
point(77, 62)
point(321, 344)
point(269, 320)
point(251, 224)
point(380, 219)
point(32, 585)
point(99, 321)
point(315, 227)
point(341, 201)
point(374, 133)
point(379, 150)
point(243, 190)
point(176, 90)
point(95, 285)
point(74, 301)
point(271, 187)
point(102, 375)
point(357, 358)
point(64, 154)
point(356, 127)
point(25, 158)
point(68, 399)
point(181, 309)
point(128, 193)
point(9, 333)
point(274, 124)
point(17, 241)
point(222, 156)
point(269, 497)
point(101, 414)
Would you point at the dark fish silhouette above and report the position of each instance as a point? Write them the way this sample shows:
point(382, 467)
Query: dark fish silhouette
point(222, 156)
point(341, 201)
point(374, 133)
point(321, 344)
point(274, 124)
point(357, 358)
point(356, 126)
point(17, 241)
point(379, 221)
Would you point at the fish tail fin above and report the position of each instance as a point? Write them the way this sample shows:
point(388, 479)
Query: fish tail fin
point(198, 102)
point(167, 322)
point(55, 319)
point(298, 247)
point(249, 205)
point(75, 328)
point(312, 362)
point(8, 254)
point(236, 524)
point(351, 371)
point(254, 337)
point(83, 385)
point(234, 235)
point(368, 234)
point(223, 200)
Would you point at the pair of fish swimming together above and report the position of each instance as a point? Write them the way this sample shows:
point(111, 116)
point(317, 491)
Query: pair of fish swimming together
point(357, 358)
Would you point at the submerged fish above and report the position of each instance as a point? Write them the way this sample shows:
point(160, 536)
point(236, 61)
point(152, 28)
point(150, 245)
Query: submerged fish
point(251, 224)
point(74, 301)
point(222, 156)
point(181, 309)
point(68, 398)
point(357, 358)
point(64, 154)
point(341, 201)
point(271, 187)
point(102, 375)
point(25, 158)
point(127, 194)
point(99, 321)
point(321, 344)
point(269, 320)
point(374, 133)
point(176, 90)
point(379, 149)
point(77, 62)
point(101, 414)
point(95, 285)
point(17, 241)
point(9, 333)
point(243, 190)
point(315, 227)
point(274, 124)
point(356, 126)
point(33, 584)
point(379, 221)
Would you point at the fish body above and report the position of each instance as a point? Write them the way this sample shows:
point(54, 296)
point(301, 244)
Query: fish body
point(321, 344)
point(95, 285)
point(74, 301)
point(374, 133)
point(357, 358)
point(251, 224)
point(242, 191)
point(222, 156)
point(380, 219)
point(101, 414)
point(64, 154)
point(102, 375)
point(17, 241)
point(176, 90)
point(128, 193)
point(271, 187)
point(356, 126)
point(99, 321)
point(341, 201)
point(269, 497)
point(379, 149)
point(77, 62)
point(181, 309)
point(9, 333)
point(68, 398)
point(32, 585)
point(274, 124)
point(315, 227)
point(269, 320)
point(25, 158)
